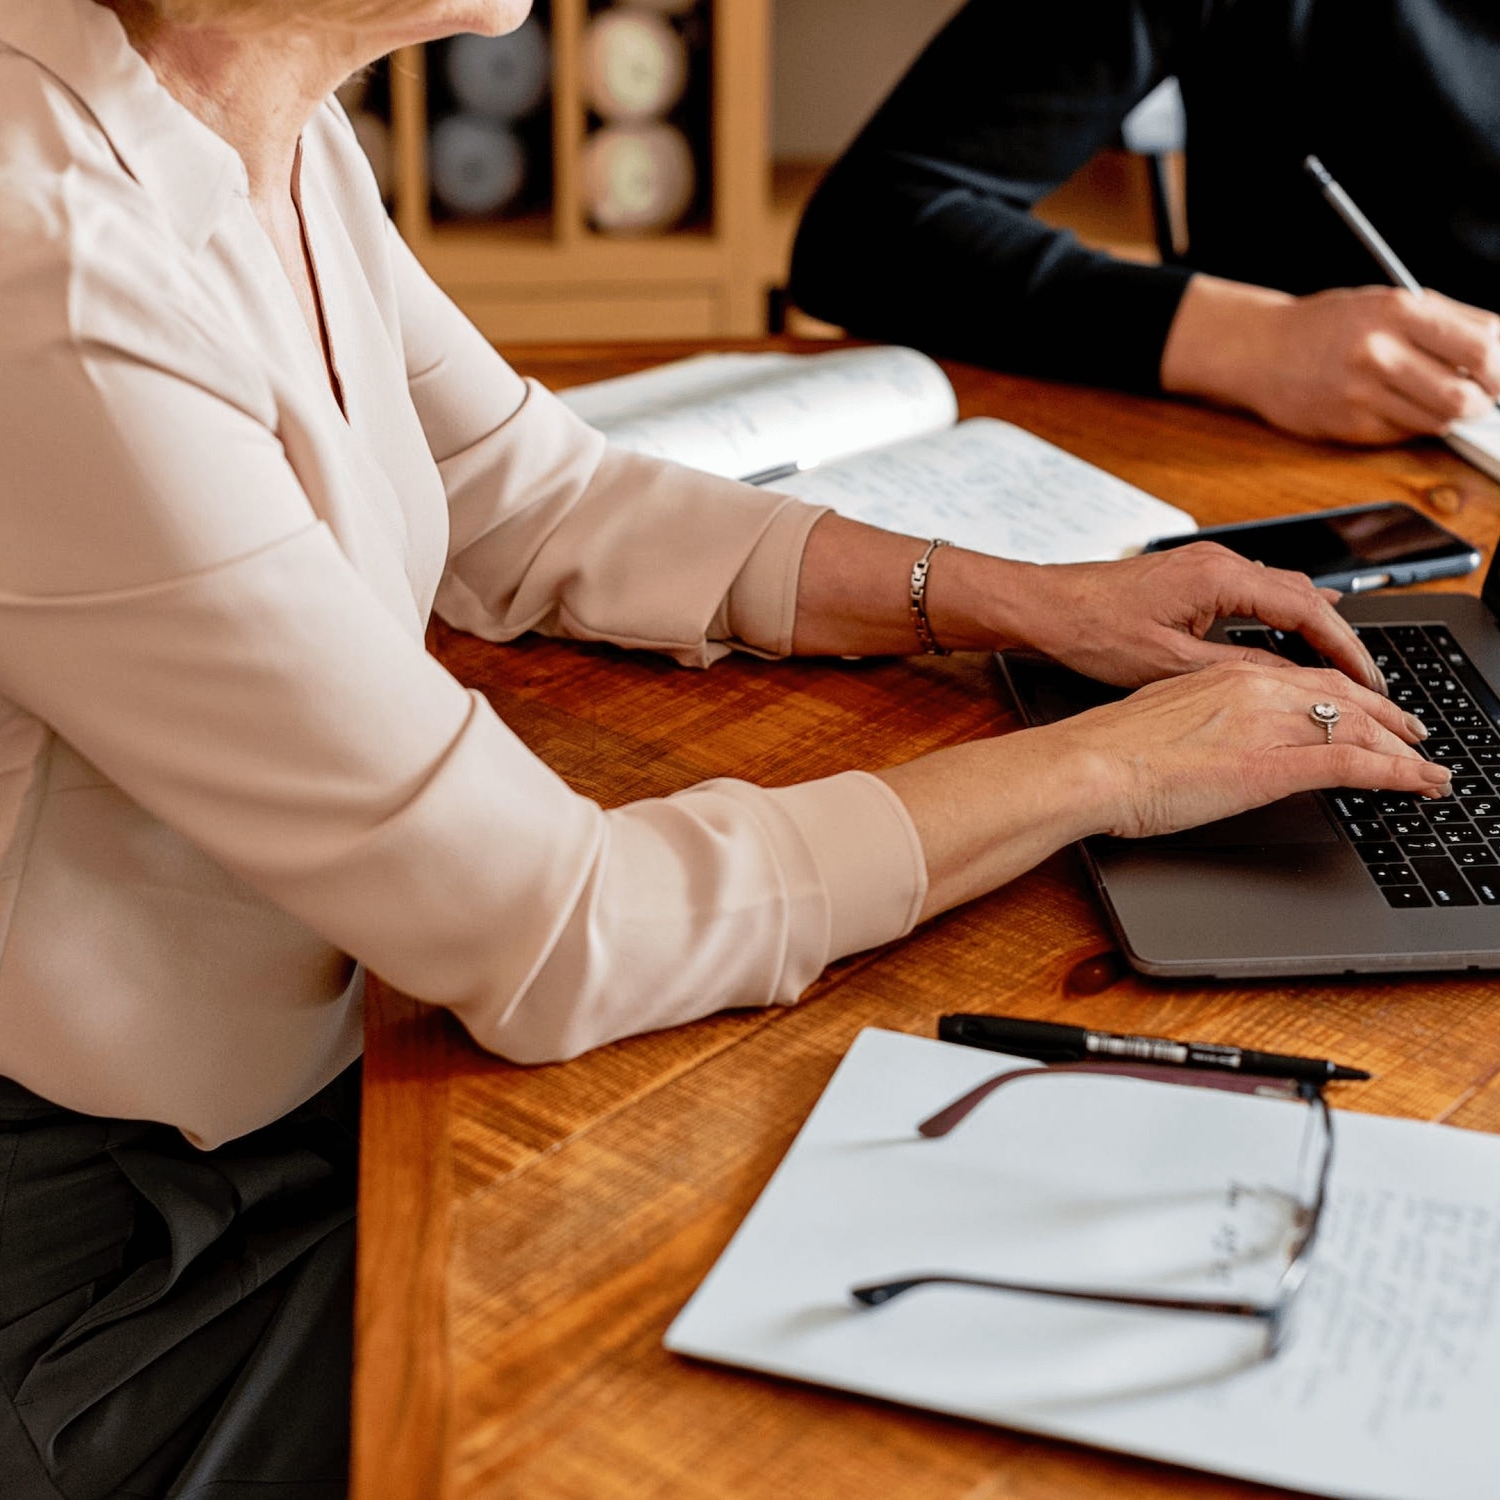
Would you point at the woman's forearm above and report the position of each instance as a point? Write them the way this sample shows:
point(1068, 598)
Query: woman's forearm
point(988, 811)
point(853, 598)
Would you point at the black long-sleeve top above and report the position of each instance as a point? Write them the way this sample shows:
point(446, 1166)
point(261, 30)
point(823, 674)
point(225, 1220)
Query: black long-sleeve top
point(922, 233)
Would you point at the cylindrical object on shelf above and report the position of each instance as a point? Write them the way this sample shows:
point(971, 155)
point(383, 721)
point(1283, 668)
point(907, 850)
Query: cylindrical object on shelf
point(637, 179)
point(506, 77)
point(477, 166)
point(635, 65)
point(375, 137)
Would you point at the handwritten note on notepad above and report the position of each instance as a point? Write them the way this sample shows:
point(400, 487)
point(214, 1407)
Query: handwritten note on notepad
point(873, 431)
point(996, 488)
point(1390, 1378)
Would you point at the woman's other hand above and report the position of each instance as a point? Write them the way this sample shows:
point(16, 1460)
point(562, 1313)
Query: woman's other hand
point(1175, 754)
point(1145, 618)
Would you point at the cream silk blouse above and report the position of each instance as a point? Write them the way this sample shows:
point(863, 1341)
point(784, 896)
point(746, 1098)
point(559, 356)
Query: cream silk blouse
point(230, 776)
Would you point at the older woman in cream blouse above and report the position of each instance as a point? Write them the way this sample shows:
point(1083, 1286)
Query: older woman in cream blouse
point(248, 447)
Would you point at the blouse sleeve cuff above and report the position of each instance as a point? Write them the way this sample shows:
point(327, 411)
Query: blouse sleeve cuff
point(761, 608)
point(867, 854)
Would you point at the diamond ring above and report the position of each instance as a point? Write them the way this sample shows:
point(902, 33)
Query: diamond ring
point(1326, 715)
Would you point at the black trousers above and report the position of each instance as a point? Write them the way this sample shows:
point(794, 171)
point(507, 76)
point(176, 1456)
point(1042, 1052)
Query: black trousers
point(176, 1324)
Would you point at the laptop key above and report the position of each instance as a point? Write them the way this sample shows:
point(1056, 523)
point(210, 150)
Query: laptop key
point(1405, 897)
point(1393, 875)
point(1485, 757)
point(1422, 844)
point(1442, 814)
point(1460, 833)
point(1485, 885)
point(1478, 807)
point(1489, 827)
point(1382, 854)
point(1370, 831)
point(1460, 765)
point(1409, 825)
point(1350, 804)
point(1475, 854)
point(1444, 882)
point(1460, 701)
point(1470, 786)
point(1446, 750)
point(1389, 804)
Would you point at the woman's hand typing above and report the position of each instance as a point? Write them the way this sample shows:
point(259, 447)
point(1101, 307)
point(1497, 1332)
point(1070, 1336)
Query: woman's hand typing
point(1145, 618)
point(1177, 753)
point(1125, 623)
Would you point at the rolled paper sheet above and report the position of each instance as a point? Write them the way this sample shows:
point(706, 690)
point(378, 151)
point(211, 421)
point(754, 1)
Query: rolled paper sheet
point(375, 137)
point(635, 66)
point(477, 166)
point(505, 77)
point(637, 179)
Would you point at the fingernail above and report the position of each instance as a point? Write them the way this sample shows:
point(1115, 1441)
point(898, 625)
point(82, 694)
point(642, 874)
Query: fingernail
point(1441, 779)
point(1416, 726)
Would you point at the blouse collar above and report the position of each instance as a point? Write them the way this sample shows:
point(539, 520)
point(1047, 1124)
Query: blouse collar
point(188, 170)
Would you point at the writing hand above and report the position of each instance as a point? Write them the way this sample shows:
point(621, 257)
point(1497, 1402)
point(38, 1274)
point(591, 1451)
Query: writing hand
point(1367, 364)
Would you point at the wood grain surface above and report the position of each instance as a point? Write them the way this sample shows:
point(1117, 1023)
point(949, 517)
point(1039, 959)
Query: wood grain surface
point(526, 1235)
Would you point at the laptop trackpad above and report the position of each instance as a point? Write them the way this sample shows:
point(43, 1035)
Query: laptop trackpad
point(1293, 820)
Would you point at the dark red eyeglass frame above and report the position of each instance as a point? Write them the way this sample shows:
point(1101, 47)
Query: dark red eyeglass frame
point(1272, 1314)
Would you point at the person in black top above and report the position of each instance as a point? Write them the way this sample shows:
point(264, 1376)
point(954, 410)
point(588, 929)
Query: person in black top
point(923, 234)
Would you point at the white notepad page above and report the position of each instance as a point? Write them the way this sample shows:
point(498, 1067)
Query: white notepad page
point(1388, 1386)
point(1479, 442)
point(741, 414)
point(995, 488)
point(873, 431)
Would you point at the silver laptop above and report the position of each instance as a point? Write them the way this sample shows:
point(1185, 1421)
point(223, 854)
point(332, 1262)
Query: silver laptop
point(1346, 882)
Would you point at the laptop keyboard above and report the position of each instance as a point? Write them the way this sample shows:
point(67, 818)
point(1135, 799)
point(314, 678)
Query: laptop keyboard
point(1420, 853)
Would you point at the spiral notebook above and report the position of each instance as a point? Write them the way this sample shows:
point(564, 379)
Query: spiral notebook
point(1389, 1381)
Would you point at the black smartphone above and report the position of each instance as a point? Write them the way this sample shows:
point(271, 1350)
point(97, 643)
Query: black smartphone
point(1356, 548)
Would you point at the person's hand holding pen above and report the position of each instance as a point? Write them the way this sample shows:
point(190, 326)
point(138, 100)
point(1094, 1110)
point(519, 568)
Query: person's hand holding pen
point(1364, 365)
point(1369, 364)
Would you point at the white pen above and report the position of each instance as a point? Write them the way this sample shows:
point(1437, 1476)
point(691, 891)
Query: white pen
point(1364, 231)
point(770, 476)
point(1370, 237)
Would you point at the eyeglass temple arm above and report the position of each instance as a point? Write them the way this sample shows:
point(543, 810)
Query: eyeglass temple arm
point(874, 1294)
point(952, 1115)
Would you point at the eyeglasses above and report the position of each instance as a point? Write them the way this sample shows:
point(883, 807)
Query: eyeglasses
point(1315, 1160)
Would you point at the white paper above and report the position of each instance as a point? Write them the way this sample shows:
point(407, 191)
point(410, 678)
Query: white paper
point(1479, 442)
point(995, 488)
point(1386, 1390)
point(742, 414)
point(654, 391)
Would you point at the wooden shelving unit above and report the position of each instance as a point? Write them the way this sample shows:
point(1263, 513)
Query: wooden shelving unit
point(548, 275)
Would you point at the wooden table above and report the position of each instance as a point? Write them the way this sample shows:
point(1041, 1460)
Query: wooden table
point(527, 1235)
